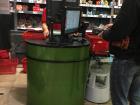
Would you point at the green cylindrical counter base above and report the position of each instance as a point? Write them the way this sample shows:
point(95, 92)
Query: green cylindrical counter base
point(56, 83)
point(54, 79)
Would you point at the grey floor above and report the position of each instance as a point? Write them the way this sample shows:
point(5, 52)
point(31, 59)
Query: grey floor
point(13, 89)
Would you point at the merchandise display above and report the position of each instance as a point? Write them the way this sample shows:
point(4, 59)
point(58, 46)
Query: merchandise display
point(98, 11)
point(27, 13)
point(28, 21)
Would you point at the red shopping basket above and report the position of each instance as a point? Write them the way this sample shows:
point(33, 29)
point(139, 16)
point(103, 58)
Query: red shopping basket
point(24, 63)
point(98, 46)
point(8, 66)
point(4, 54)
point(33, 35)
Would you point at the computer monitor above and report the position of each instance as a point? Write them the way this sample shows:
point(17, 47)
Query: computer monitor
point(72, 20)
point(54, 8)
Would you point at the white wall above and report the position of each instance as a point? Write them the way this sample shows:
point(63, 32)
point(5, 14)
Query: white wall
point(4, 6)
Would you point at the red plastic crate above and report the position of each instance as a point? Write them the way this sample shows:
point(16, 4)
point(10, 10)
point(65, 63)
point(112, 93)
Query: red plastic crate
point(24, 63)
point(4, 54)
point(8, 66)
point(33, 35)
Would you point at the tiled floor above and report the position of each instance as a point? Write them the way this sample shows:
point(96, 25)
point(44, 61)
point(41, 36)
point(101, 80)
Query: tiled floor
point(13, 89)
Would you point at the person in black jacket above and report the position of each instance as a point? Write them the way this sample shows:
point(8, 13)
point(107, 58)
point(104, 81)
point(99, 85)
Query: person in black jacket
point(124, 39)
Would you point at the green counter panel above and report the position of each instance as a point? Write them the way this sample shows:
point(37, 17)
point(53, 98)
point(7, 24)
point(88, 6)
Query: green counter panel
point(61, 54)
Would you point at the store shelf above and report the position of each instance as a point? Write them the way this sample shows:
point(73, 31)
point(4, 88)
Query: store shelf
point(35, 29)
point(26, 13)
point(31, 2)
point(56, 32)
point(28, 2)
point(96, 6)
point(29, 12)
point(98, 16)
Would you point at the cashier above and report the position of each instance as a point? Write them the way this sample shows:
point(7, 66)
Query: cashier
point(45, 27)
point(44, 24)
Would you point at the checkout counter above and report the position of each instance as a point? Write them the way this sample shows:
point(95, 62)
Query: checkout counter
point(57, 73)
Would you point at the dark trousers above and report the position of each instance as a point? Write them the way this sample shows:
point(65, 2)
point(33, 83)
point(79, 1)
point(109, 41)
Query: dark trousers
point(125, 82)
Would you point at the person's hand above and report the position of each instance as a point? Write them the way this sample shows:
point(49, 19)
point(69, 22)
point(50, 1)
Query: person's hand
point(100, 34)
point(108, 26)
point(76, 34)
point(46, 33)
point(123, 44)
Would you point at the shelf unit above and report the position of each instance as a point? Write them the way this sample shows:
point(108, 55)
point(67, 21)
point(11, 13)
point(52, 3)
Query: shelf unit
point(95, 6)
point(25, 1)
point(27, 13)
point(98, 6)
point(99, 14)
point(31, 2)
point(20, 14)
point(35, 29)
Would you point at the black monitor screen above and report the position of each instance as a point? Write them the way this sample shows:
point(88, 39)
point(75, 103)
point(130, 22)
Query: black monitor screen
point(72, 21)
